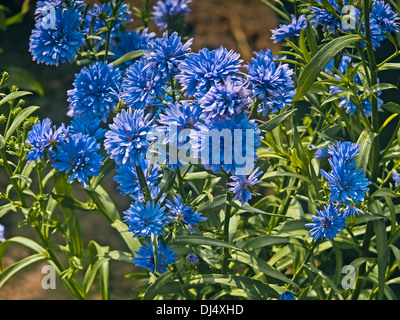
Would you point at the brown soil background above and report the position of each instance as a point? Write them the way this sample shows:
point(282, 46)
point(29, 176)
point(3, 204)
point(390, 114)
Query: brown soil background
point(241, 25)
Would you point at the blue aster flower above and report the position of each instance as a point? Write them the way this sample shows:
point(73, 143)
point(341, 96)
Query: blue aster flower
point(344, 150)
point(192, 258)
point(383, 15)
point(184, 213)
point(167, 12)
point(320, 16)
point(396, 178)
point(78, 156)
point(145, 257)
point(142, 85)
point(175, 123)
point(95, 91)
point(270, 82)
point(351, 211)
point(105, 10)
point(323, 16)
point(88, 126)
point(230, 144)
point(327, 224)
point(242, 185)
point(53, 46)
point(2, 238)
point(128, 181)
point(225, 100)
point(43, 137)
point(42, 7)
point(203, 70)
point(129, 137)
point(322, 153)
point(145, 219)
point(130, 41)
point(346, 183)
point(287, 295)
point(289, 31)
point(167, 52)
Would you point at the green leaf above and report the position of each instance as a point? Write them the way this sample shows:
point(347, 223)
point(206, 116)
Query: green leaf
point(13, 96)
point(127, 57)
point(264, 241)
point(255, 287)
point(271, 174)
point(391, 107)
point(71, 203)
point(312, 70)
point(25, 113)
point(365, 142)
point(13, 269)
point(326, 278)
point(100, 267)
point(275, 121)
point(203, 241)
point(261, 266)
point(163, 284)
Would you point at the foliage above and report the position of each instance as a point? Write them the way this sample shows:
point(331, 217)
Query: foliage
point(320, 194)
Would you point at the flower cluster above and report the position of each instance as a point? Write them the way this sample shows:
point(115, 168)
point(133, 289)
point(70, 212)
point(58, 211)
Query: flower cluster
point(383, 20)
point(348, 186)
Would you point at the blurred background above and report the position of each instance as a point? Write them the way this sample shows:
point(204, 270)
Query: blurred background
point(241, 25)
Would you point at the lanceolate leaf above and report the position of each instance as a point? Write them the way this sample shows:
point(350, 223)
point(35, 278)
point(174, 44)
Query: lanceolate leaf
point(319, 62)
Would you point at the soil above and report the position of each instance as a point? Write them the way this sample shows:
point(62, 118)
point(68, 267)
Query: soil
point(241, 25)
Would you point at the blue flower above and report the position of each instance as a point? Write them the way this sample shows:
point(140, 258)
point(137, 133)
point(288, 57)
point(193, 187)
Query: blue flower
point(192, 259)
point(78, 157)
point(166, 11)
point(384, 16)
point(184, 213)
point(42, 137)
point(322, 154)
point(175, 124)
point(289, 31)
point(271, 82)
point(351, 211)
point(167, 53)
point(103, 10)
point(287, 295)
point(42, 7)
point(229, 144)
point(89, 126)
point(129, 137)
point(324, 16)
point(142, 85)
point(145, 257)
point(2, 239)
point(241, 186)
point(344, 150)
point(396, 178)
point(128, 180)
point(95, 91)
point(320, 16)
point(201, 71)
point(225, 100)
point(327, 224)
point(146, 219)
point(53, 46)
point(133, 40)
point(346, 183)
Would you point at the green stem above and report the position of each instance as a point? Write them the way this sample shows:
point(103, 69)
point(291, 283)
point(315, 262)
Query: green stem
point(227, 218)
